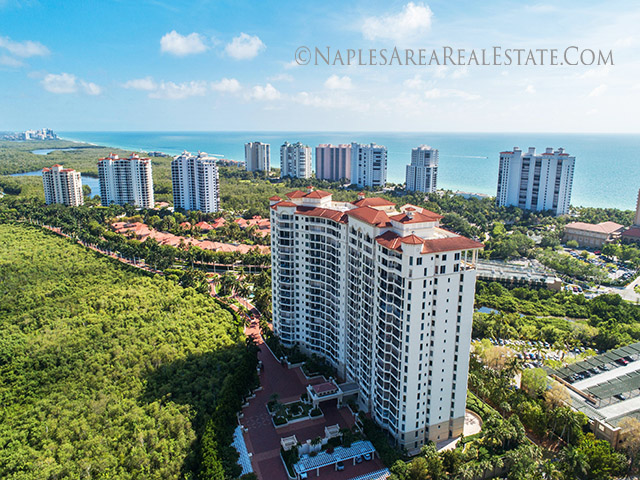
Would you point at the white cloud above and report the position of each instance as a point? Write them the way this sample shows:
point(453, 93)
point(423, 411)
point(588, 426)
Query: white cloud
point(229, 85)
point(90, 88)
point(334, 100)
point(460, 72)
point(181, 45)
point(8, 61)
point(598, 72)
point(530, 89)
point(244, 47)
point(268, 92)
point(146, 83)
point(540, 8)
point(440, 71)
point(281, 77)
point(599, 90)
point(179, 91)
point(413, 21)
point(334, 82)
point(68, 83)
point(415, 83)
point(291, 64)
point(60, 83)
point(24, 49)
point(624, 42)
point(436, 93)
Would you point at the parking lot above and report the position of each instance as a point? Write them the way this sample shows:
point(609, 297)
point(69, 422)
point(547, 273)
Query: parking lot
point(615, 270)
point(534, 354)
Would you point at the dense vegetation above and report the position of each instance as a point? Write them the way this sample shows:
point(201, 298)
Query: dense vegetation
point(107, 373)
point(92, 226)
point(603, 322)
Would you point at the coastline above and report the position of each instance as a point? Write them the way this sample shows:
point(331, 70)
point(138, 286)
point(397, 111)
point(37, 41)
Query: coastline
point(468, 163)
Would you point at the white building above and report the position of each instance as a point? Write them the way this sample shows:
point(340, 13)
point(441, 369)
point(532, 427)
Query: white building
point(126, 181)
point(195, 182)
point(422, 174)
point(295, 160)
point(536, 182)
point(368, 165)
point(62, 185)
point(257, 157)
point(385, 296)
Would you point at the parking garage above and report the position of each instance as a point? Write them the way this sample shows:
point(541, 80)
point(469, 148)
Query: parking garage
point(606, 388)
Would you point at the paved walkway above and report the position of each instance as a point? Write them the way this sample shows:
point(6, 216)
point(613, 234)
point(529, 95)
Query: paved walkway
point(472, 425)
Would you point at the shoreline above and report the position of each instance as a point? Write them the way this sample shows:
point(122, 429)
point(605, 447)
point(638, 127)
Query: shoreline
point(476, 189)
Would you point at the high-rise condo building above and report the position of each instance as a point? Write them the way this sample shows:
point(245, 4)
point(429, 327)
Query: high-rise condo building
point(422, 174)
point(536, 181)
point(257, 157)
point(295, 160)
point(62, 185)
point(368, 165)
point(386, 296)
point(333, 162)
point(126, 181)
point(195, 182)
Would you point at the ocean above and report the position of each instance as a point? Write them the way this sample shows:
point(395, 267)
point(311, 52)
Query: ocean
point(607, 172)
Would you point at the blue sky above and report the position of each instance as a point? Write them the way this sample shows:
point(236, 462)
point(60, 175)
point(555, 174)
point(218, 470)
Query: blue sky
point(223, 65)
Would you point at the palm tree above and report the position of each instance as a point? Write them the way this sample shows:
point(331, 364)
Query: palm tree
point(576, 462)
point(550, 471)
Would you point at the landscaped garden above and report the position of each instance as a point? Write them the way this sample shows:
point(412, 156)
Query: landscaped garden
point(284, 413)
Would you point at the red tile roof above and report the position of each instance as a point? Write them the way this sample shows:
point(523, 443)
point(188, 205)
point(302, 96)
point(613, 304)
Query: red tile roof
point(370, 215)
point(393, 241)
point(417, 217)
point(373, 202)
point(448, 244)
point(603, 227)
point(275, 198)
point(284, 204)
point(324, 388)
point(412, 239)
point(390, 240)
point(318, 194)
point(204, 226)
point(313, 194)
point(295, 194)
point(334, 215)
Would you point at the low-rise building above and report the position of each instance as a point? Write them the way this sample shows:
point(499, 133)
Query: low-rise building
point(590, 235)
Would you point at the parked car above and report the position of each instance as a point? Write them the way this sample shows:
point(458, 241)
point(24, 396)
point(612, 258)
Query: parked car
point(367, 456)
point(339, 466)
point(359, 459)
point(620, 397)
